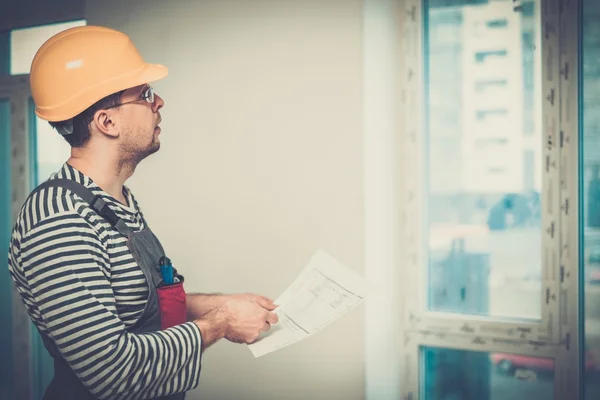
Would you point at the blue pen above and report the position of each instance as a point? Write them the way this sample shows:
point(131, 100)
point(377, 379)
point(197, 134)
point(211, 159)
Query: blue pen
point(170, 271)
point(165, 264)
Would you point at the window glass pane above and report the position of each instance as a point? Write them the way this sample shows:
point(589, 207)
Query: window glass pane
point(24, 43)
point(52, 150)
point(590, 36)
point(473, 375)
point(483, 159)
point(52, 156)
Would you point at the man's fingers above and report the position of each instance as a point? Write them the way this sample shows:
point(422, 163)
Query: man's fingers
point(266, 303)
point(266, 299)
point(266, 327)
point(272, 318)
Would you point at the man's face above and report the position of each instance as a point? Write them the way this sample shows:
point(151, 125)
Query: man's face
point(139, 121)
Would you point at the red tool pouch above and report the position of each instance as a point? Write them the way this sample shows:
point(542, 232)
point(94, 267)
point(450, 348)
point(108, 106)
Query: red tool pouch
point(171, 300)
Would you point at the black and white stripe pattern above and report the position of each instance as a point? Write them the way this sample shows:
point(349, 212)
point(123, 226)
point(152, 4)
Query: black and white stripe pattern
point(82, 288)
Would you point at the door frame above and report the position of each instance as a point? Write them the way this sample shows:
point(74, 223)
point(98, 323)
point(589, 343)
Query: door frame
point(30, 363)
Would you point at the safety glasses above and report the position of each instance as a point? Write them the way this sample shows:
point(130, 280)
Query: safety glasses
point(147, 95)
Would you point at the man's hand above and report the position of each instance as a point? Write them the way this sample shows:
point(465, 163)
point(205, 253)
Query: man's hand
point(262, 301)
point(247, 318)
point(240, 319)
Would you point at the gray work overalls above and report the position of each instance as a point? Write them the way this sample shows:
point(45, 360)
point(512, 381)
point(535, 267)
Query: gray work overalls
point(165, 305)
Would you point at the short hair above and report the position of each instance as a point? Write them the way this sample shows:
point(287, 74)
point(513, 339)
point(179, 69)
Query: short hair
point(80, 124)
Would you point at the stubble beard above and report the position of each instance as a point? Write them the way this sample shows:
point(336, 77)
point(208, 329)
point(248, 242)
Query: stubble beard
point(133, 153)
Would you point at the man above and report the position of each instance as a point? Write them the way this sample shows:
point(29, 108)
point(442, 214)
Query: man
point(94, 278)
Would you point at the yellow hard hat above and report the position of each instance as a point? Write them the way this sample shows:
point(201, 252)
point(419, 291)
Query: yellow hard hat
point(79, 66)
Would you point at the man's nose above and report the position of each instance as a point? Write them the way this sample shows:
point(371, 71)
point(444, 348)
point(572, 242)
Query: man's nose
point(159, 102)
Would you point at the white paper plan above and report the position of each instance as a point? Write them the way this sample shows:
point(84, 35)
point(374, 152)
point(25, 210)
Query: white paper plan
point(324, 291)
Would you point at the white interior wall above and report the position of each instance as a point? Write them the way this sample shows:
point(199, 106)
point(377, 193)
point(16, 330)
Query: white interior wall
point(260, 165)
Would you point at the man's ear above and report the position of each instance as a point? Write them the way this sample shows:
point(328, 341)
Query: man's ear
point(105, 123)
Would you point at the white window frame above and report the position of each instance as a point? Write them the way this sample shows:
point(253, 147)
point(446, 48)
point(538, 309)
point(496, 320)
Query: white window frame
point(557, 334)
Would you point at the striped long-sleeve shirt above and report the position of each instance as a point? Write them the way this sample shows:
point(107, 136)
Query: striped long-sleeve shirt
point(82, 288)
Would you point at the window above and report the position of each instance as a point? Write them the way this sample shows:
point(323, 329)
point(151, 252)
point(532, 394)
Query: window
point(482, 56)
point(475, 242)
point(484, 251)
point(481, 115)
point(497, 170)
point(527, 8)
point(493, 142)
point(482, 85)
point(497, 23)
point(462, 374)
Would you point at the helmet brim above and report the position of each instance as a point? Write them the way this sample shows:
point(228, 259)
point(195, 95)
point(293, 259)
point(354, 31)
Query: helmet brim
point(152, 73)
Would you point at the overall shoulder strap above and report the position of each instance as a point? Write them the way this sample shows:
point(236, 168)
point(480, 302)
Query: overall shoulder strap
point(93, 200)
